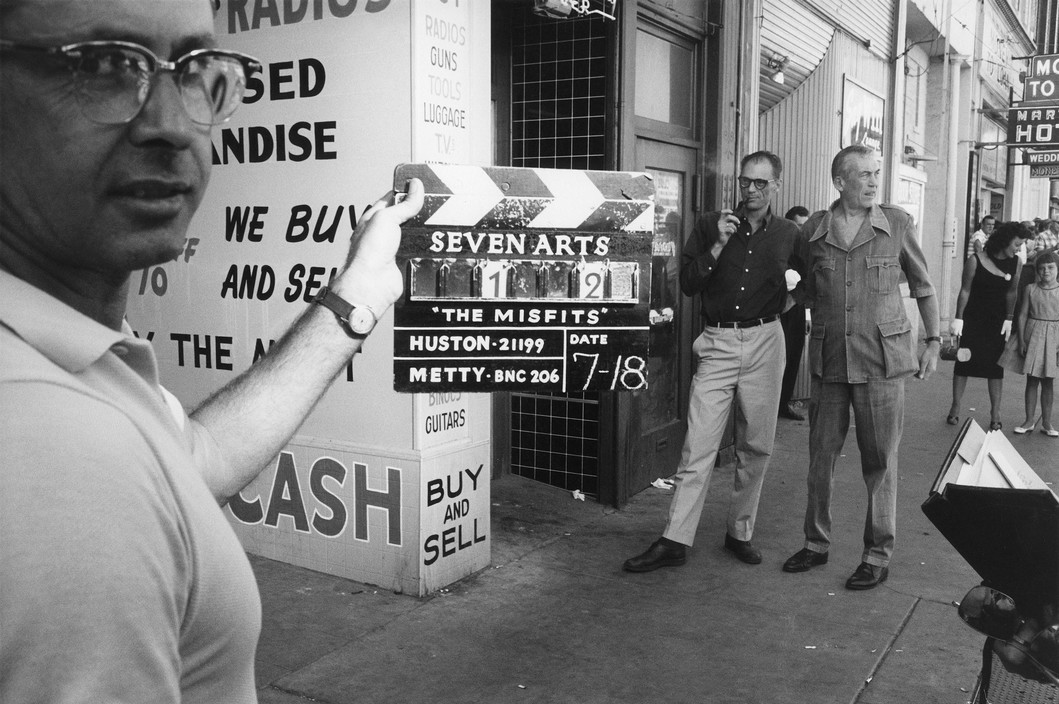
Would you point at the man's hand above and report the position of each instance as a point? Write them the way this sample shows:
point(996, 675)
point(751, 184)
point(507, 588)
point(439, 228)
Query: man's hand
point(928, 361)
point(1005, 329)
point(727, 224)
point(956, 327)
point(371, 276)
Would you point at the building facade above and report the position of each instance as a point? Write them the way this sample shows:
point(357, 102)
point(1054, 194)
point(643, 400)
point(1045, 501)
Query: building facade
point(393, 489)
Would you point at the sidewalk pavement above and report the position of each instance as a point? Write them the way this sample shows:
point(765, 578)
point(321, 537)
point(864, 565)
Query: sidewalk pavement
point(554, 619)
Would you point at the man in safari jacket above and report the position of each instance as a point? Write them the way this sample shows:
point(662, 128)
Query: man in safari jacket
point(861, 350)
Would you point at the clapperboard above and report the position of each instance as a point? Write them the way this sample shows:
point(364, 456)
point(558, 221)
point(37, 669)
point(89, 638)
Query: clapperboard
point(524, 279)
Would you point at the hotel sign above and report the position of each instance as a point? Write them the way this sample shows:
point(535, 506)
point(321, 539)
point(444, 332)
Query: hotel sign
point(1034, 122)
point(1042, 80)
point(1036, 126)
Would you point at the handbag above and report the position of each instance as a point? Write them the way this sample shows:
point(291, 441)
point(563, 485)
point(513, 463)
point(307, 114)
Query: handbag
point(952, 352)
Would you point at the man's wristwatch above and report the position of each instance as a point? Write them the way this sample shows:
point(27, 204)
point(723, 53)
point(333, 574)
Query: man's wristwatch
point(933, 338)
point(356, 319)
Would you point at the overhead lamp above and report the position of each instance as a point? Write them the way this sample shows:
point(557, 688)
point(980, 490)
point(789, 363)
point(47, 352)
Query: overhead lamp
point(776, 63)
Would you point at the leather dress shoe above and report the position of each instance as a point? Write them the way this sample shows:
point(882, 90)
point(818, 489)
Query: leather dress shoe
point(658, 555)
point(867, 577)
point(742, 549)
point(804, 560)
point(787, 412)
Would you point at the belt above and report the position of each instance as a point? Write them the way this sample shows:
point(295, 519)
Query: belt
point(745, 323)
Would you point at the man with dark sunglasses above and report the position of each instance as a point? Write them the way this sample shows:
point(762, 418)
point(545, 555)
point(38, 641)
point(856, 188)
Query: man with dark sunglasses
point(120, 578)
point(736, 262)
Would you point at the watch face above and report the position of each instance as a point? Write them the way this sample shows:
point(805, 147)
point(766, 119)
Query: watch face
point(361, 320)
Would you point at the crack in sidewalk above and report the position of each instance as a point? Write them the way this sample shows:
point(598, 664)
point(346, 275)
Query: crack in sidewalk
point(886, 651)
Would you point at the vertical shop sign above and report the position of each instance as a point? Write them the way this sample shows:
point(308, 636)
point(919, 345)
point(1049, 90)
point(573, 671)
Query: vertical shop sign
point(441, 78)
point(441, 418)
point(455, 513)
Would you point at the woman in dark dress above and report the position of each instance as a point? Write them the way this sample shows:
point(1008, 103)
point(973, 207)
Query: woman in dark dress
point(984, 311)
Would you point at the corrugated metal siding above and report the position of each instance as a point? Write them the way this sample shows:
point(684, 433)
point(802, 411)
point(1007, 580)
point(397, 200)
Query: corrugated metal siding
point(803, 129)
point(870, 19)
point(794, 31)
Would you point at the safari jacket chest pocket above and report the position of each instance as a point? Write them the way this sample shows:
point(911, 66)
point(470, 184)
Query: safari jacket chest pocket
point(823, 274)
point(884, 273)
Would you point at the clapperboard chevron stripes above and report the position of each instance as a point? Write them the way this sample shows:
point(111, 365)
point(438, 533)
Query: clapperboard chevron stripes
point(524, 279)
point(496, 197)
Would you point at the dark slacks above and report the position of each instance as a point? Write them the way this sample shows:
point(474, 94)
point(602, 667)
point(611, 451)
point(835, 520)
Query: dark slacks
point(793, 322)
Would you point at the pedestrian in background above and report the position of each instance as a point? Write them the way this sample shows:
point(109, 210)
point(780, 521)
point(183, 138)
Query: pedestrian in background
point(1035, 350)
point(1047, 240)
point(794, 332)
point(987, 303)
point(985, 229)
point(736, 263)
point(860, 352)
point(121, 580)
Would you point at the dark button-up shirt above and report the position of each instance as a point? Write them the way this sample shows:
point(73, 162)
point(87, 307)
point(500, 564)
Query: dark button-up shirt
point(860, 330)
point(747, 281)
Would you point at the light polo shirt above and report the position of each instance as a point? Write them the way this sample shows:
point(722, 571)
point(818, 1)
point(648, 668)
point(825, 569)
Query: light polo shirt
point(120, 577)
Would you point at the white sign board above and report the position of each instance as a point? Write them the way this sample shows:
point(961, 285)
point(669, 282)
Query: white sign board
point(441, 71)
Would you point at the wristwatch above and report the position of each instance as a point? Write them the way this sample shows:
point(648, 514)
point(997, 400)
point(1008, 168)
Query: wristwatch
point(356, 319)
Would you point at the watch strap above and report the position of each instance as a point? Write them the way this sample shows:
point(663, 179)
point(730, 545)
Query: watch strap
point(341, 308)
point(334, 303)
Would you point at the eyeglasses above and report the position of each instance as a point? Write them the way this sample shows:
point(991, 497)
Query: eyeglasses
point(759, 183)
point(112, 79)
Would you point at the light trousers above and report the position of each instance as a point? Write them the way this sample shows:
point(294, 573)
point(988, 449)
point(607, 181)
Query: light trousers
point(739, 369)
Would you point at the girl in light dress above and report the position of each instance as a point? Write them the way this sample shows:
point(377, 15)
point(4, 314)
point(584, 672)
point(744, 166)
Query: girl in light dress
point(1035, 350)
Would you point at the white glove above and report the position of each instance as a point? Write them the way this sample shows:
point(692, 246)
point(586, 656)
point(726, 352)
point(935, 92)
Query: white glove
point(1005, 329)
point(793, 277)
point(956, 327)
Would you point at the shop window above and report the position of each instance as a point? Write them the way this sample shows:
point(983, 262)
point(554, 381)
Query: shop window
point(555, 439)
point(558, 93)
point(994, 163)
point(661, 100)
